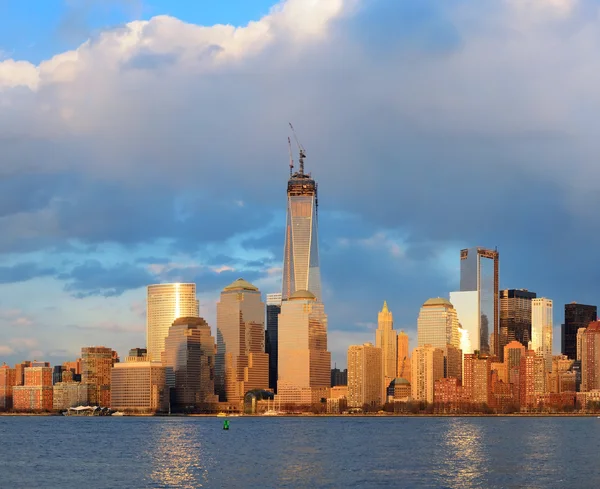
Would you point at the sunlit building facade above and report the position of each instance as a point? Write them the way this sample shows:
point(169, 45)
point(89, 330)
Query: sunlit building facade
point(189, 364)
point(68, 394)
point(532, 379)
point(304, 362)
point(139, 386)
point(515, 317)
point(438, 324)
point(8, 380)
point(403, 352)
point(365, 376)
point(301, 270)
point(477, 302)
point(165, 303)
point(36, 392)
point(96, 366)
point(427, 367)
point(541, 329)
point(477, 379)
point(242, 364)
point(590, 358)
point(386, 339)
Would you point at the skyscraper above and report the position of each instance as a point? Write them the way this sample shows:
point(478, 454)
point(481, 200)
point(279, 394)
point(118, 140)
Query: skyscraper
point(301, 251)
point(541, 329)
point(576, 316)
point(477, 302)
point(427, 367)
point(590, 358)
point(437, 324)
point(365, 376)
point(189, 360)
point(515, 317)
point(242, 363)
point(304, 362)
point(166, 303)
point(386, 338)
point(271, 337)
point(403, 370)
point(96, 366)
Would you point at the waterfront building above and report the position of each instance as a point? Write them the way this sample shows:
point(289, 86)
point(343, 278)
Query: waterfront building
point(301, 269)
point(140, 386)
point(477, 379)
point(96, 366)
point(515, 317)
point(304, 362)
point(580, 333)
point(242, 364)
point(541, 329)
point(501, 371)
point(437, 324)
point(8, 380)
point(576, 316)
point(57, 371)
point(532, 379)
point(365, 374)
point(453, 360)
point(189, 363)
point(386, 339)
point(403, 353)
point(67, 393)
point(477, 302)
point(427, 367)
point(339, 377)
point(502, 394)
point(36, 392)
point(448, 394)
point(400, 389)
point(271, 337)
point(20, 372)
point(590, 358)
point(512, 360)
point(166, 303)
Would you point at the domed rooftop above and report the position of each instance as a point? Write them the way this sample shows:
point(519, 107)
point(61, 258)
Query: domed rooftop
point(400, 381)
point(302, 294)
point(241, 284)
point(437, 301)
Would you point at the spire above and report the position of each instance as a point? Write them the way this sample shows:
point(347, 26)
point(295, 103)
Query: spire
point(385, 307)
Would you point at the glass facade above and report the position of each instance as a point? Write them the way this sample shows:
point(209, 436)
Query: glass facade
point(576, 316)
point(438, 324)
point(479, 272)
point(165, 303)
point(515, 317)
point(466, 305)
point(301, 251)
point(271, 337)
point(541, 329)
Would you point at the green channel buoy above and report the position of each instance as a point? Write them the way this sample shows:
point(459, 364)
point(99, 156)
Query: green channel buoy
point(226, 424)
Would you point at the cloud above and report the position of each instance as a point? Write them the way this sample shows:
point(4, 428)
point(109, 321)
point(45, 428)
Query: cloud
point(23, 272)
point(16, 318)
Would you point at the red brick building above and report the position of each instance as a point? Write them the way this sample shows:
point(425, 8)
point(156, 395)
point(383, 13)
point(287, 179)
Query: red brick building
point(8, 379)
point(36, 394)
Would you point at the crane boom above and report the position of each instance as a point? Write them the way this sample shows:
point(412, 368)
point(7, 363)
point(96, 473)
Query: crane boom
point(291, 157)
point(301, 151)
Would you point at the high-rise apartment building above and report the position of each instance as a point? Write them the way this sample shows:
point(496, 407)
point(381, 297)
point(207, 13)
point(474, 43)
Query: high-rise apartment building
point(36, 392)
point(580, 333)
point(68, 393)
point(386, 339)
point(427, 367)
point(477, 302)
point(590, 358)
point(477, 379)
point(365, 376)
point(515, 317)
point(301, 269)
point(189, 362)
point(576, 316)
point(339, 377)
point(166, 303)
point(271, 337)
point(242, 363)
point(96, 366)
point(20, 372)
point(541, 329)
point(138, 385)
point(304, 362)
point(403, 370)
point(532, 379)
point(438, 324)
point(8, 380)
point(512, 364)
point(453, 362)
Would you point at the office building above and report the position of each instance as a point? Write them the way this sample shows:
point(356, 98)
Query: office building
point(477, 302)
point(576, 316)
point(304, 362)
point(166, 303)
point(541, 329)
point(438, 324)
point(138, 385)
point(339, 377)
point(242, 364)
point(386, 339)
point(590, 358)
point(515, 317)
point(403, 370)
point(365, 376)
point(96, 366)
point(36, 392)
point(271, 337)
point(189, 362)
point(301, 270)
point(427, 367)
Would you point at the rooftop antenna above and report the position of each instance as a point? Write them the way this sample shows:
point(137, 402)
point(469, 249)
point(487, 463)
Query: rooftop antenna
point(300, 150)
point(291, 157)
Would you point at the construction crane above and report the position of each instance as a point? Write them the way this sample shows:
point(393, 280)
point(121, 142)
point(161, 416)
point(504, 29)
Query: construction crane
point(402, 369)
point(300, 150)
point(291, 157)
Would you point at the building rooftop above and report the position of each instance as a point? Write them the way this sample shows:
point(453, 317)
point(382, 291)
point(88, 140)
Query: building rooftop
point(437, 301)
point(302, 294)
point(241, 284)
point(400, 381)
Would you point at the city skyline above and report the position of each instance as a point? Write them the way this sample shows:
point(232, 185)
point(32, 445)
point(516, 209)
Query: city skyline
point(102, 199)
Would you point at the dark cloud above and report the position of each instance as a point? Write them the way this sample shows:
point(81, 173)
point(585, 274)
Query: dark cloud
point(23, 272)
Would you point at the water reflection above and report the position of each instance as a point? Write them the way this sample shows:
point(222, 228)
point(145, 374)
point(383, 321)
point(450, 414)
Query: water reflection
point(178, 456)
point(463, 455)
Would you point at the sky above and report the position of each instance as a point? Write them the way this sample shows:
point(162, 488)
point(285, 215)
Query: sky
point(145, 142)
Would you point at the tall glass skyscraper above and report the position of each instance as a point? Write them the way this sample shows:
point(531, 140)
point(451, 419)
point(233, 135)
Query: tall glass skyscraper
point(301, 252)
point(271, 337)
point(477, 302)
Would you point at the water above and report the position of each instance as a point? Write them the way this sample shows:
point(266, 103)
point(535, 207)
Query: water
point(126, 452)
